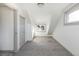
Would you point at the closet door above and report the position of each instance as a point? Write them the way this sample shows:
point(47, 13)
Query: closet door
point(22, 30)
point(15, 31)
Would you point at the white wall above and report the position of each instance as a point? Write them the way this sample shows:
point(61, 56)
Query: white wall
point(68, 36)
point(28, 30)
point(53, 23)
point(6, 29)
point(33, 31)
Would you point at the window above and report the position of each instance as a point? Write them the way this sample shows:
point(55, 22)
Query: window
point(72, 16)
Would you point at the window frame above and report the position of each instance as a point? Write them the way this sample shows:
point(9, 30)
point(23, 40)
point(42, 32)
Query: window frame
point(73, 8)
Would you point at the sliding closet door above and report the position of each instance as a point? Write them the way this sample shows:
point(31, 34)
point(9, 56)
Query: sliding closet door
point(15, 30)
point(22, 30)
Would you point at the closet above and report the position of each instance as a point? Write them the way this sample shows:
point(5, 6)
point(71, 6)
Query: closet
point(12, 29)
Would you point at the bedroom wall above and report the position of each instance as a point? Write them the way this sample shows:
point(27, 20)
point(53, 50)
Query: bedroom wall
point(6, 29)
point(68, 36)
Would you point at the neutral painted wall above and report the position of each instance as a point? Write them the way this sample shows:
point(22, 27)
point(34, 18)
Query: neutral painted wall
point(68, 36)
point(28, 28)
point(28, 32)
point(33, 31)
point(6, 29)
point(53, 23)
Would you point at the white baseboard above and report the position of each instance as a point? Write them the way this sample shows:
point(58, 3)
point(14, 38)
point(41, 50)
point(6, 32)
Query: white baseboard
point(44, 35)
point(53, 36)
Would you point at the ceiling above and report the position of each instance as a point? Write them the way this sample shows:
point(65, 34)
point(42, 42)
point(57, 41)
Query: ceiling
point(42, 14)
point(49, 12)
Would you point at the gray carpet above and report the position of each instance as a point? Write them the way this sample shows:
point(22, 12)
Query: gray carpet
point(43, 46)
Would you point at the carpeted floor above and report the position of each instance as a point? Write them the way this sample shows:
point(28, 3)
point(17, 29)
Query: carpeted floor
point(43, 46)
